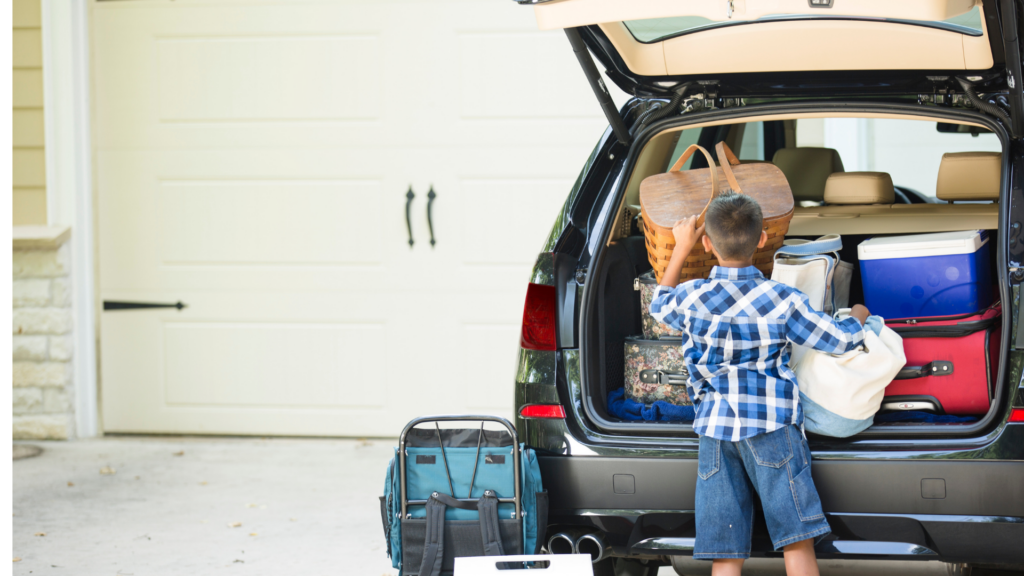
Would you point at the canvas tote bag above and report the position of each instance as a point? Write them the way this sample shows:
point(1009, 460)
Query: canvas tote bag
point(841, 394)
point(814, 268)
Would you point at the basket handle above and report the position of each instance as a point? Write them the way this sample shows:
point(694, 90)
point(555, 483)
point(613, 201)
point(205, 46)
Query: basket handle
point(711, 168)
point(728, 160)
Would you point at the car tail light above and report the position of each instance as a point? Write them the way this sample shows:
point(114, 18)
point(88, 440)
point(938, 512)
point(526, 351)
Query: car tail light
point(1017, 415)
point(539, 318)
point(542, 411)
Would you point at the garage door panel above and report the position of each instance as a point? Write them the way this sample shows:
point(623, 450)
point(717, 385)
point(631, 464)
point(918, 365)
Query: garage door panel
point(170, 74)
point(269, 222)
point(528, 207)
point(490, 358)
point(285, 365)
point(230, 78)
point(509, 75)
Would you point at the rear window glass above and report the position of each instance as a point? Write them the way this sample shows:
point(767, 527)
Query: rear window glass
point(910, 151)
point(657, 29)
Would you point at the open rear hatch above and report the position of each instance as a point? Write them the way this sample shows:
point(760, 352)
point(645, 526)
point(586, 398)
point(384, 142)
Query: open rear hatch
point(751, 48)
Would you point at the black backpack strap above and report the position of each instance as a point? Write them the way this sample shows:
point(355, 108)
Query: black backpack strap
point(433, 548)
point(487, 505)
point(452, 502)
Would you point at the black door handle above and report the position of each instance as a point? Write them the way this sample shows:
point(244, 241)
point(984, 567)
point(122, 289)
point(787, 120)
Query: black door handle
point(408, 217)
point(430, 215)
point(118, 305)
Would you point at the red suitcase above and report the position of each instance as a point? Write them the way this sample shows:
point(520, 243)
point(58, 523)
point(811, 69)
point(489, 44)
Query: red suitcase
point(951, 363)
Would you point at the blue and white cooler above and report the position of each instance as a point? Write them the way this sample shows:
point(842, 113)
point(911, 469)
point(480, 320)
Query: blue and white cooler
point(926, 274)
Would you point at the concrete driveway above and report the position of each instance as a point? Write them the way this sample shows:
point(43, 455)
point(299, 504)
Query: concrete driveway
point(139, 506)
point(201, 506)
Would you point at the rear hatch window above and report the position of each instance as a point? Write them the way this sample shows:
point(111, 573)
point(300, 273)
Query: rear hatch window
point(658, 29)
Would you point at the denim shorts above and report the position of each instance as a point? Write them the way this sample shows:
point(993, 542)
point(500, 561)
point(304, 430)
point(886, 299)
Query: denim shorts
point(776, 465)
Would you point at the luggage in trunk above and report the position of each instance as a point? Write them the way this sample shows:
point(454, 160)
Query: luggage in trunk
point(653, 330)
point(951, 363)
point(926, 274)
point(667, 198)
point(655, 370)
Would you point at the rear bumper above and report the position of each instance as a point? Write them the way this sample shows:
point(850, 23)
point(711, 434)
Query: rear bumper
point(877, 509)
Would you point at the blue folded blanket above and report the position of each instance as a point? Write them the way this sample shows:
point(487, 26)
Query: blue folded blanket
point(661, 411)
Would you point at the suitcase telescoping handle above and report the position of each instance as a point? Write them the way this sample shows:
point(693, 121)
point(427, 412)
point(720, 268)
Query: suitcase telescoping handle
point(516, 463)
point(655, 376)
point(933, 368)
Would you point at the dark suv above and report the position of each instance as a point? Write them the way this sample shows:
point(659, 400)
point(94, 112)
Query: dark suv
point(910, 81)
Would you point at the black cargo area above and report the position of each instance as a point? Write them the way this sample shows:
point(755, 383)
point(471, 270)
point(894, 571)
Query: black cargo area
point(616, 316)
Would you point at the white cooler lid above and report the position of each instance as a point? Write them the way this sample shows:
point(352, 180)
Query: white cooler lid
point(917, 245)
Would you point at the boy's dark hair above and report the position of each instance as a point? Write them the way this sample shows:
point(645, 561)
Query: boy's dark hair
point(733, 222)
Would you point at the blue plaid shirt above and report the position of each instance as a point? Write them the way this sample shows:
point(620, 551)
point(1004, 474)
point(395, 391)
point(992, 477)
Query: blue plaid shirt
point(737, 329)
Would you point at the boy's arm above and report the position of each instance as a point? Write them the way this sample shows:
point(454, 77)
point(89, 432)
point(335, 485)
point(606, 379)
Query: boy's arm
point(686, 234)
point(666, 300)
point(808, 327)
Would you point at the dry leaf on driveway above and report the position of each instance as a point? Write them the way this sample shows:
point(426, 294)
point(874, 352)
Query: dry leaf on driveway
point(40, 534)
point(234, 524)
point(17, 559)
point(70, 484)
point(107, 471)
point(179, 453)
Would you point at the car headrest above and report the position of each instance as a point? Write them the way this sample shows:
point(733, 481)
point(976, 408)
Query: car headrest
point(859, 188)
point(969, 176)
point(806, 169)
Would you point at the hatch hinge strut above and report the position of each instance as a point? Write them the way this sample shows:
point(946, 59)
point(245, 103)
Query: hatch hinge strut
point(1011, 43)
point(597, 84)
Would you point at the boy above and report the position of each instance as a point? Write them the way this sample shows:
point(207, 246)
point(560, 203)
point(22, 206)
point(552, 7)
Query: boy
point(737, 328)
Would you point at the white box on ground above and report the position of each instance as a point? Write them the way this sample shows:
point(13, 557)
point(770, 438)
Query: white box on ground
point(558, 565)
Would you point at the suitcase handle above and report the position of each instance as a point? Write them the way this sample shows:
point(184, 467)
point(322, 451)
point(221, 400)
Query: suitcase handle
point(913, 402)
point(933, 368)
point(655, 376)
point(516, 463)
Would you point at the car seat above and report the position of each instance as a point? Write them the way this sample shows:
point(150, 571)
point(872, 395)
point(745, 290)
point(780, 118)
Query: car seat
point(806, 169)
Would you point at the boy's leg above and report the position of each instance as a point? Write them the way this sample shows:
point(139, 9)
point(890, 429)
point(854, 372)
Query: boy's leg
point(800, 559)
point(725, 507)
point(779, 464)
point(728, 567)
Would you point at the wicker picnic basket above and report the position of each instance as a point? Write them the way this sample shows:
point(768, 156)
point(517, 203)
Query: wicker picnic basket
point(667, 198)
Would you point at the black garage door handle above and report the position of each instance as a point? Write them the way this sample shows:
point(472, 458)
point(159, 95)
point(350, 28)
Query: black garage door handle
point(118, 305)
point(408, 218)
point(430, 214)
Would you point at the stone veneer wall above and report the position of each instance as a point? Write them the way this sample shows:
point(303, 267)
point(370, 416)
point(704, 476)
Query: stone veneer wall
point(43, 390)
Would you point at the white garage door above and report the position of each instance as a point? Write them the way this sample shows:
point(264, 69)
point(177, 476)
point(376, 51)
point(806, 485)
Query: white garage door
point(252, 162)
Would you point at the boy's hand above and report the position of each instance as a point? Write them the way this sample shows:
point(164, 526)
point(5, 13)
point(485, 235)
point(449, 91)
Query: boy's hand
point(686, 232)
point(860, 312)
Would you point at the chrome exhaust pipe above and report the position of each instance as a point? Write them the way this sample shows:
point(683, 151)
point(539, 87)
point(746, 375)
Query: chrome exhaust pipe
point(592, 544)
point(561, 543)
